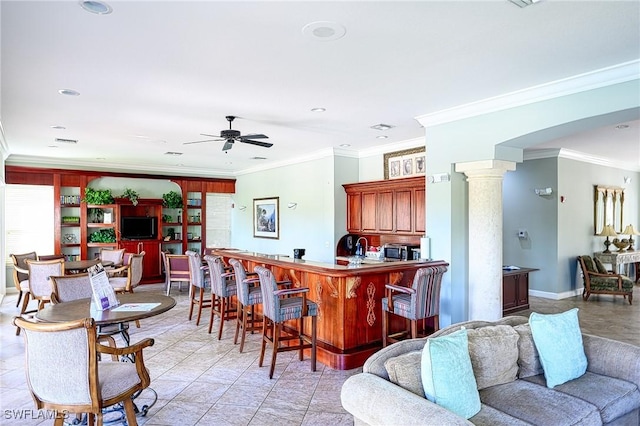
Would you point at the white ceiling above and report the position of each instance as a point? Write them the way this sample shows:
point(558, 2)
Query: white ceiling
point(155, 74)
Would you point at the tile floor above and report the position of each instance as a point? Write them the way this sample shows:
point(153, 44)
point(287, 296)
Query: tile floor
point(202, 381)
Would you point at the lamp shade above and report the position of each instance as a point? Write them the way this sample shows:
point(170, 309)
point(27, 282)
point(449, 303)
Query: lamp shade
point(608, 231)
point(629, 230)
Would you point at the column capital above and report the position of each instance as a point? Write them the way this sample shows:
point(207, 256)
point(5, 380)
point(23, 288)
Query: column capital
point(485, 168)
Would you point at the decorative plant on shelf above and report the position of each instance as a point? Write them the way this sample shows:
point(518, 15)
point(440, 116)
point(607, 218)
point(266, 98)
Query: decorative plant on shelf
point(172, 200)
point(97, 196)
point(167, 218)
point(103, 236)
point(131, 195)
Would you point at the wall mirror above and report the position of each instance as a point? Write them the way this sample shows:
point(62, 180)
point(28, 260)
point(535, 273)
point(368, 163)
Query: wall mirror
point(608, 203)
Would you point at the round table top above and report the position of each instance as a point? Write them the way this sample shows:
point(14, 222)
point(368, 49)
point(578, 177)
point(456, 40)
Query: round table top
point(81, 308)
point(83, 265)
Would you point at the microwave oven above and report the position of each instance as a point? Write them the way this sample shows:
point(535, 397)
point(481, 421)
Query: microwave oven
point(399, 252)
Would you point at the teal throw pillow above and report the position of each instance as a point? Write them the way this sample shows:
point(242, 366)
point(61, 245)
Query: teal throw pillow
point(447, 374)
point(559, 343)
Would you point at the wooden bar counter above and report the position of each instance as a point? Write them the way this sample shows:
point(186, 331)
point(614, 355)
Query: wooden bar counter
point(348, 297)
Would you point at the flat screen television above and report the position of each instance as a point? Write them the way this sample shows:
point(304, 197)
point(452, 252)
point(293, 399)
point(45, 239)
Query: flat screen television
point(138, 228)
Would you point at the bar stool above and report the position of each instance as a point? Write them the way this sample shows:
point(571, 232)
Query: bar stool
point(249, 295)
point(420, 301)
point(199, 281)
point(222, 290)
point(277, 310)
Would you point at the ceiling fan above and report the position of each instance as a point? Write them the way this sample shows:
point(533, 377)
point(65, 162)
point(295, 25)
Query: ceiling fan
point(230, 136)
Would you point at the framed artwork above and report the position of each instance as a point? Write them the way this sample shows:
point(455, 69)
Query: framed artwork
point(266, 217)
point(405, 163)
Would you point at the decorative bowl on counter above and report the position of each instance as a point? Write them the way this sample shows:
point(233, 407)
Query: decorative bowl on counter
point(621, 244)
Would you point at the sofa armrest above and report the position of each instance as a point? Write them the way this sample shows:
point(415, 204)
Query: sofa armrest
point(376, 401)
point(612, 358)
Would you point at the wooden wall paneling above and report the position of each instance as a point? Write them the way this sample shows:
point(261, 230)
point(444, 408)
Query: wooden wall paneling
point(385, 211)
point(368, 210)
point(404, 208)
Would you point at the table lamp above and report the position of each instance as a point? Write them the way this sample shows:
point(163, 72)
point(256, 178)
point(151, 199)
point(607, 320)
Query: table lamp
point(630, 231)
point(608, 231)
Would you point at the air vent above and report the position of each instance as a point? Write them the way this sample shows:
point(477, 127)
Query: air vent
point(172, 153)
point(59, 140)
point(382, 126)
point(258, 158)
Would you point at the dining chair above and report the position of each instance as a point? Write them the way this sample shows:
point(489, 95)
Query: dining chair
point(112, 255)
point(127, 277)
point(415, 303)
point(51, 257)
point(176, 270)
point(68, 288)
point(21, 276)
point(223, 288)
point(280, 306)
point(198, 283)
point(79, 383)
point(40, 287)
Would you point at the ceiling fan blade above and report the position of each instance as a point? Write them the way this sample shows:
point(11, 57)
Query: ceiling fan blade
point(257, 136)
point(209, 136)
point(228, 145)
point(207, 140)
point(264, 144)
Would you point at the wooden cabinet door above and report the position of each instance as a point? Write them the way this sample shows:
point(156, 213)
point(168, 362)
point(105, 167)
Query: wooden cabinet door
point(403, 209)
point(509, 292)
point(419, 204)
point(523, 290)
point(151, 261)
point(369, 200)
point(385, 211)
point(354, 212)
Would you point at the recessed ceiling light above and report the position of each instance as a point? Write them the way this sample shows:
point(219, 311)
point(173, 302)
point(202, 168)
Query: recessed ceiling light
point(173, 153)
point(324, 31)
point(318, 109)
point(97, 7)
point(381, 137)
point(622, 126)
point(345, 145)
point(69, 92)
point(71, 141)
point(382, 127)
point(58, 127)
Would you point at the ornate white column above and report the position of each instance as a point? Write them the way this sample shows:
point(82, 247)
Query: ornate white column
point(485, 236)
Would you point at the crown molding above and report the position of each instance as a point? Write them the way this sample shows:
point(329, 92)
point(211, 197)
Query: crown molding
point(579, 83)
point(391, 147)
point(538, 154)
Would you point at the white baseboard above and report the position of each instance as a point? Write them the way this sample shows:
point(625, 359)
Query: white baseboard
point(555, 296)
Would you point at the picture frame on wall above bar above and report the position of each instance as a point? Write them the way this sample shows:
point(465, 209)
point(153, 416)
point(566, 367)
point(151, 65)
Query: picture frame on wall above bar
point(405, 163)
point(266, 217)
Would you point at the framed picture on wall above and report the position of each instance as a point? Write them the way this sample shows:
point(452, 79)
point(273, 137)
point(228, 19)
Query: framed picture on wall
point(266, 217)
point(405, 163)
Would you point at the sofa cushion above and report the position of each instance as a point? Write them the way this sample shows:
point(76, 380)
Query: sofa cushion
point(489, 416)
point(600, 268)
point(539, 405)
point(559, 343)
point(494, 355)
point(528, 358)
point(447, 374)
point(404, 371)
point(613, 397)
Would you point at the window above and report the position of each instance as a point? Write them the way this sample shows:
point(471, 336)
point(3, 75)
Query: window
point(218, 220)
point(29, 220)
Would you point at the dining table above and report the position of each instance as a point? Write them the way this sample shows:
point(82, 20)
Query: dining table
point(79, 266)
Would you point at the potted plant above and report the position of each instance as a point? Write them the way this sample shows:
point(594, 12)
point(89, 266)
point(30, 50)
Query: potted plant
point(131, 195)
point(97, 196)
point(172, 200)
point(103, 236)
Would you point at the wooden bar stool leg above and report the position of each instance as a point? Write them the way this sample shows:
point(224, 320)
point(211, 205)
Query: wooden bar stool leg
point(314, 323)
point(385, 332)
point(277, 329)
point(239, 317)
point(264, 341)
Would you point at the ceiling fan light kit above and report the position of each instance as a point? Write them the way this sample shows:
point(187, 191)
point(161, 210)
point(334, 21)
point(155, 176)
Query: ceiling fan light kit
point(230, 136)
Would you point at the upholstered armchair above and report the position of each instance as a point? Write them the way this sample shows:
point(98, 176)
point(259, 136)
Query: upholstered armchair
point(112, 255)
point(415, 303)
point(597, 280)
point(127, 277)
point(79, 383)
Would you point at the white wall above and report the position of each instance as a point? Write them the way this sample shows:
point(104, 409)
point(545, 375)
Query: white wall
point(146, 188)
point(310, 225)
